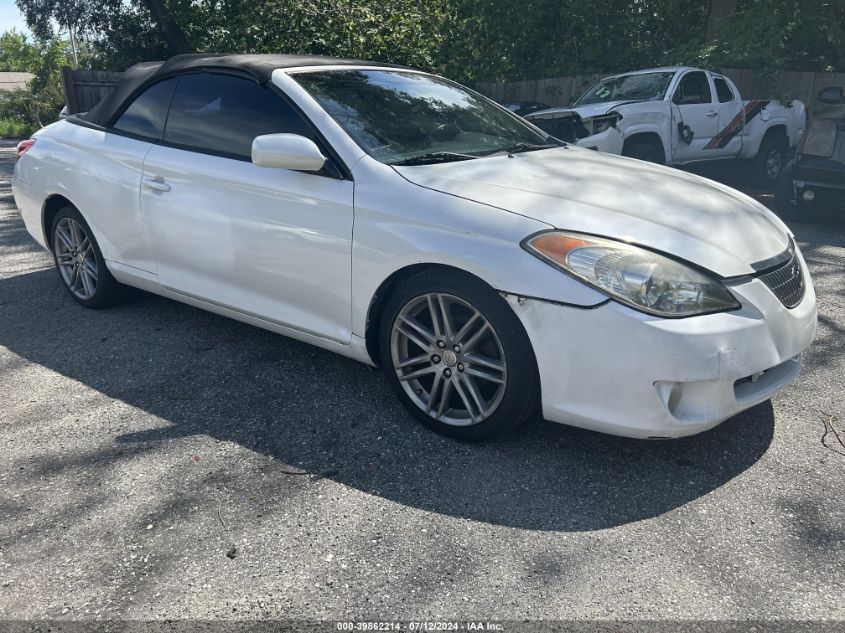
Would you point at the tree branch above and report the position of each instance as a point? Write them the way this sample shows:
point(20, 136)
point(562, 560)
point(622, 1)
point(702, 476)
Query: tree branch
point(173, 34)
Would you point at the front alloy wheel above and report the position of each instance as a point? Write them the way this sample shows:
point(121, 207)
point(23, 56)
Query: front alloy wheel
point(448, 359)
point(457, 355)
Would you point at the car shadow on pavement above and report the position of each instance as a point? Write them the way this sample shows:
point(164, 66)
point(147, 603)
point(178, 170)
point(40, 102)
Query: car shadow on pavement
point(314, 411)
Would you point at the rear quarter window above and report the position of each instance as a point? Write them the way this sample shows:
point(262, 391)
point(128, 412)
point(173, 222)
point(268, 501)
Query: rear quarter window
point(146, 115)
point(723, 90)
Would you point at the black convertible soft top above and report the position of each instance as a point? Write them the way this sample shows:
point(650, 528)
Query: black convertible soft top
point(260, 67)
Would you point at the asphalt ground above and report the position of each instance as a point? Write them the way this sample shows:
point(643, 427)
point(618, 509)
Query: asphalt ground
point(160, 462)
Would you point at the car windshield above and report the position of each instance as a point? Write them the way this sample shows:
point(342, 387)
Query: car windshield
point(401, 117)
point(639, 87)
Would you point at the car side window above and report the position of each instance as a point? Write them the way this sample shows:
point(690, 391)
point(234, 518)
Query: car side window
point(723, 90)
point(693, 89)
point(146, 115)
point(222, 114)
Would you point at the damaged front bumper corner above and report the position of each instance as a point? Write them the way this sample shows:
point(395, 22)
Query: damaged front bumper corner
point(612, 369)
point(609, 141)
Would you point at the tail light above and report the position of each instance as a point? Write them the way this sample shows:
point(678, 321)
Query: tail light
point(23, 146)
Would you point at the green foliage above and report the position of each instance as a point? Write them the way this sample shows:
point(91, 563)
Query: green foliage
point(16, 128)
point(124, 32)
point(16, 53)
point(40, 103)
point(121, 36)
point(40, 15)
point(494, 40)
point(403, 31)
point(772, 35)
point(470, 40)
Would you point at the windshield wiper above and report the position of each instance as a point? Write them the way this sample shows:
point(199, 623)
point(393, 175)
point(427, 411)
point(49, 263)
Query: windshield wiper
point(531, 147)
point(434, 157)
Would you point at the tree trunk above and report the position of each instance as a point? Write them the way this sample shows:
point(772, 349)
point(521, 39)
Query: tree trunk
point(720, 10)
point(173, 34)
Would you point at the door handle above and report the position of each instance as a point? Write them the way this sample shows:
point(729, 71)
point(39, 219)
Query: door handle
point(156, 184)
point(712, 114)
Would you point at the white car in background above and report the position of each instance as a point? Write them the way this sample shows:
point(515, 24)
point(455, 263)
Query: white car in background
point(677, 116)
point(402, 220)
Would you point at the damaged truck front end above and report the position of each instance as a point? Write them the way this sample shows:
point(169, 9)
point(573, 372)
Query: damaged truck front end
point(597, 133)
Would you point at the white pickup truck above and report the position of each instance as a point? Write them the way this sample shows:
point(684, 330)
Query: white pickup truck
point(676, 116)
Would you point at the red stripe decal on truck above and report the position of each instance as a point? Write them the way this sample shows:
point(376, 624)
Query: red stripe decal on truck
point(729, 132)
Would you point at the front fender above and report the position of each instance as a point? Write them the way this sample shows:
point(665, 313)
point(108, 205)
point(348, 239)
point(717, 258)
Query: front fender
point(392, 233)
point(647, 118)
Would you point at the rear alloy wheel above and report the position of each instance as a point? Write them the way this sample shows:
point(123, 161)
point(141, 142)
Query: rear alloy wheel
point(80, 262)
point(458, 357)
point(75, 258)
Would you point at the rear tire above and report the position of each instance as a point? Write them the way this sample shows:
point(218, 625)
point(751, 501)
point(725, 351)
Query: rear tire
point(770, 160)
point(80, 263)
point(470, 374)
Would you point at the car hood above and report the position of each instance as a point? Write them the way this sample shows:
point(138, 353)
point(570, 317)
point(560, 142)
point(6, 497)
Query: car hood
point(580, 190)
point(585, 112)
point(597, 109)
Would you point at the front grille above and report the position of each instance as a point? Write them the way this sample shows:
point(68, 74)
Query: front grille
point(568, 128)
point(787, 281)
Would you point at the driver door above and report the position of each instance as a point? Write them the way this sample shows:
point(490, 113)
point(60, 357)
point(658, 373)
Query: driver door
point(267, 242)
point(694, 100)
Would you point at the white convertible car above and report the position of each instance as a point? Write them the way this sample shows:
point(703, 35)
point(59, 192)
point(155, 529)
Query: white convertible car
point(404, 221)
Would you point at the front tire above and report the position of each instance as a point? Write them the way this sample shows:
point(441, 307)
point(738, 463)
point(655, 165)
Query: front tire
point(642, 150)
point(785, 203)
point(457, 356)
point(80, 262)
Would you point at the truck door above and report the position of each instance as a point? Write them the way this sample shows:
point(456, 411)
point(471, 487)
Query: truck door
point(699, 118)
point(728, 140)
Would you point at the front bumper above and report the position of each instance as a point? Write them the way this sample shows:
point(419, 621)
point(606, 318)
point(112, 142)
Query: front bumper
point(609, 141)
point(615, 370)
point(820, 197)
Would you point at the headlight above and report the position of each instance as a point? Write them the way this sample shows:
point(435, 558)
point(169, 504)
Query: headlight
point(603, 123)
point(634, 276)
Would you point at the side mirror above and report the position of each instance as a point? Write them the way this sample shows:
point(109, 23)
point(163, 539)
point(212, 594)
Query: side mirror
point(832, 95)
point(287, 151)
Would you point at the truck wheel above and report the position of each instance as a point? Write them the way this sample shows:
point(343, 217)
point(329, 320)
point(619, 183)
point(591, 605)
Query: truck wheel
point(785, 203)
point(643, 150)
point(770, 160)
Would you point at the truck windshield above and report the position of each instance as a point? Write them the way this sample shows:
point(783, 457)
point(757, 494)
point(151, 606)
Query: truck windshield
point(411, 118)
point(639, 87)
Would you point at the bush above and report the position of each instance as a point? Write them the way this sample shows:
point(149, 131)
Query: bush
point(41, 101)
point(16, 128)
